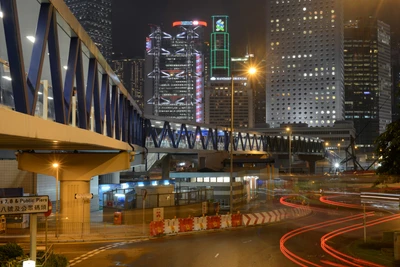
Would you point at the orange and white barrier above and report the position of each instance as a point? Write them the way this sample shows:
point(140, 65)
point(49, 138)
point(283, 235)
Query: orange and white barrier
point(185, 225)
point(171, 226)
point(200, 223)
point(224, 221)
point(213, 222)
point(236, 220)
point(156, 228)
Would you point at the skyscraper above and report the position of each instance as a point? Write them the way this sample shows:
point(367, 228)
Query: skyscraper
point(174, 83)
point(368, 83)
point(304, 75)
point(95, 17)
point(219, 49)
point(131, 73)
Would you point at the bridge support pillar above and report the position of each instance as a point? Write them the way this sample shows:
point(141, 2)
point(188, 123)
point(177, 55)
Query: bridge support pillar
point(311, 161)
point(74, 171)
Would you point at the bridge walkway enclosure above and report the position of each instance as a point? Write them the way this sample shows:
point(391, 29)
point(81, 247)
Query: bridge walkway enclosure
point(60, 102)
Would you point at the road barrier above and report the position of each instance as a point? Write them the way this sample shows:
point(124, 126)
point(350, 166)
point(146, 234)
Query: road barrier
point(182, 225)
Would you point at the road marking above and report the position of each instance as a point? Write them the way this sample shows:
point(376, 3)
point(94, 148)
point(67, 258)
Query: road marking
point(89, 254)
point(248, 241)
point(217, 255)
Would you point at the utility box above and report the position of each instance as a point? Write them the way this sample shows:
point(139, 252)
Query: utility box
point(117, 218)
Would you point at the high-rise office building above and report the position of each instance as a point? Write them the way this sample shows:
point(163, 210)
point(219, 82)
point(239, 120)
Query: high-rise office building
point(95, 17)
point(131, 73)
point(174, 82)
point(304, 75)
point(218, 102)
point(368, 84)
point(220, 47)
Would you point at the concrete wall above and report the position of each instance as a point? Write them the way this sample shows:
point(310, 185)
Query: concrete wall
point(135, 216)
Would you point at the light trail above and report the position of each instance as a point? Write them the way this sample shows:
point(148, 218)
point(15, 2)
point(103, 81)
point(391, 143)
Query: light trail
point(297, 259)
point(347, 258)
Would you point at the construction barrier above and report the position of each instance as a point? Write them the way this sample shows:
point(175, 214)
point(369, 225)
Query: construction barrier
point(213, 222)
point(185, 225)
point(224, 221)
point(200, 223)
point(236, 220)
point(171, 226)
point(156, 228)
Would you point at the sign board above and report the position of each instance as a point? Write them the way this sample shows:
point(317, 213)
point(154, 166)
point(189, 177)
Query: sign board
point(158, 214)
point(84, 196)
point(48, 213)
point(204, 207)
point(24, 205)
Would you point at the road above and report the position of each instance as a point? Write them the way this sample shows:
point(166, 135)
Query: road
point(250, 246)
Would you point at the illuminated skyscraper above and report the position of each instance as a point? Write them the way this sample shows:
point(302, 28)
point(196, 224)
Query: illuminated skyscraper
point(95, 17)
point(131, 73)
point(219, 47)
point(304, 75)
point(367, 79)
point(174, 82)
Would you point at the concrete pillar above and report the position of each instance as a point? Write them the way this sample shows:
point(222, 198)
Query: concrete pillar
point(165, 165)
point(75, 213)
point(74, 173)
point(311, 166)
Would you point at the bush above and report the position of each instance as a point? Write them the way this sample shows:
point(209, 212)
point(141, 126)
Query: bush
point(10, 251)
point(56, 260)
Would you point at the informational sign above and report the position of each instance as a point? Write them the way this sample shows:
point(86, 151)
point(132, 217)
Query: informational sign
point(158, 214)
point(84, 196)
point(204, 207)
point(24, 205)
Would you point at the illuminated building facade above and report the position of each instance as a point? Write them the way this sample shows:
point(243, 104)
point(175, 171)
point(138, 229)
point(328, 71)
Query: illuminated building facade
point(131, 73)
point(368, 84)
point(219, 47)
point(304, 75)
point(174, 82)
point(95, 17)
point(218, 102)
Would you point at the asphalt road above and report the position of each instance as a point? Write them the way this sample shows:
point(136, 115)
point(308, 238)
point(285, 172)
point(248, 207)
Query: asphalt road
point(250, 246)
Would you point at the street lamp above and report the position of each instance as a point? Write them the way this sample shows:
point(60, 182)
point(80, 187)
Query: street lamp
point(289, 131)
point(56, 166)
point(250, 71)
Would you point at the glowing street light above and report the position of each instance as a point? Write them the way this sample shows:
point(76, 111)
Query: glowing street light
point(250, 71)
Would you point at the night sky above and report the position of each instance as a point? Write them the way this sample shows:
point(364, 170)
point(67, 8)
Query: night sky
point(247, 20)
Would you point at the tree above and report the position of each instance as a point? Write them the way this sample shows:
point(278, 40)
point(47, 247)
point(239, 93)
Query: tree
point(388, 151)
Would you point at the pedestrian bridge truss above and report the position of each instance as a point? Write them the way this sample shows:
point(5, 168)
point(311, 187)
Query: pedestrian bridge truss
point(169, 134)
point(57, 92)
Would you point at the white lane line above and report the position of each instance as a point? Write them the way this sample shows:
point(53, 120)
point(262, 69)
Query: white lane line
point(217, 255)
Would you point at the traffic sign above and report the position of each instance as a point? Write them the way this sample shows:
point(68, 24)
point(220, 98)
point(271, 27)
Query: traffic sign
point(24, 205)
point(84, 196)
point(48, 213)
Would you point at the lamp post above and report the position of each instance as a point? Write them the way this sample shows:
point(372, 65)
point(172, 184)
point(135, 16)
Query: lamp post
point(290, 149)
point(56, 166)
point(250, 71)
